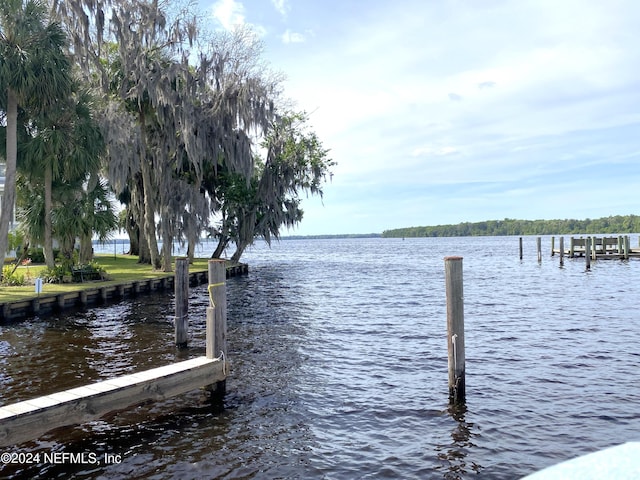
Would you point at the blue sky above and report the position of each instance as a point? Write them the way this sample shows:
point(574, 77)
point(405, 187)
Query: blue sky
point(445, 111)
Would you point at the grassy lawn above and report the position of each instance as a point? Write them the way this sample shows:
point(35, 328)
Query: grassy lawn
point(121, 268)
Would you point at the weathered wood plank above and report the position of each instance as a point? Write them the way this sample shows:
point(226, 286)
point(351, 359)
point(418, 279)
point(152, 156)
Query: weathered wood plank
point(29, 419)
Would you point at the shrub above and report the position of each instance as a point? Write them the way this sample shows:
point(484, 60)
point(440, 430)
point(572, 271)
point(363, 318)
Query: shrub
point(37, 254)
point(55, 274)
point(88, 271)
point(11, 278)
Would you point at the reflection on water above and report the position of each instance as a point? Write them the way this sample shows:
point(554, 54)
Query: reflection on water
point(453, 456)
point(339, 367)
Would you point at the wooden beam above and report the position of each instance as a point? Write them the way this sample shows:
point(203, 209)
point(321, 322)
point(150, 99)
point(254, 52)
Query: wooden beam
point(23, 421)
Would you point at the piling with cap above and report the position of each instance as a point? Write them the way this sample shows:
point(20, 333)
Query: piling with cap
point(455, 329)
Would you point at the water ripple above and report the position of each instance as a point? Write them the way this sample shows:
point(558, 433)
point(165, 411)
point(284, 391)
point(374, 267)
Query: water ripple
point(340, 367)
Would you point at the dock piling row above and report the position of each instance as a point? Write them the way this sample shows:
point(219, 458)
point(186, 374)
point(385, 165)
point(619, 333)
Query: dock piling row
point(590, 247)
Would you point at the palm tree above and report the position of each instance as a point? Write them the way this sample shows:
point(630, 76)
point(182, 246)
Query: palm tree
point(34, 73)
point(66, 144)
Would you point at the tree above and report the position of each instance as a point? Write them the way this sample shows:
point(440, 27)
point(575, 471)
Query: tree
point(66, 144)
point(80, 209)
point(34, 73)
point(296, 162)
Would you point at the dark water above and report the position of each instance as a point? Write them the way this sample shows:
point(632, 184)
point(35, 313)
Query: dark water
point(340, 369)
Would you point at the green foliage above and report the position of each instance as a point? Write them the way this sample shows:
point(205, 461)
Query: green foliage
point(68, 261)
point(37, 254)
point(16, 239)
point(77, 273)
point(12, 278)
point(92, 267)
point(613, 224)
point(54, 274)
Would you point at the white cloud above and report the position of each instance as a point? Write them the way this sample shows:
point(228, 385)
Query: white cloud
point(232, 14)
point(431, 150)
point(292, 37)
point(229, 13)
point(416, 97)
point(281, 6)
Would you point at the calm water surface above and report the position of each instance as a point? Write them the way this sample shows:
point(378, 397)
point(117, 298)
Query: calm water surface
point(340, 367)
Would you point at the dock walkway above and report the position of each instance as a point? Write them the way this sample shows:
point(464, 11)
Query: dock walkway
point(599, 248)
point(23, 421)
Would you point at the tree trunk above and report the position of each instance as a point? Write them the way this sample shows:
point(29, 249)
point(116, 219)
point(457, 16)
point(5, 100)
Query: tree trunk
point(149, 221)
point(167, 245)
point(86, 249)
point(239, 251)
point(86, 240)
point(133, 229)
point(246, 231)
point(67, 244)
point(143, 251)
point(222, 244)
point(48, 236)
point(8, 200)
point(191, 248)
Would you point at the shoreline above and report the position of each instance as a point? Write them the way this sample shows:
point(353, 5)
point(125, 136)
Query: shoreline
point(85, 294)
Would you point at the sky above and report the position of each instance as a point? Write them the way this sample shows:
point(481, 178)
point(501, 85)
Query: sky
point(448, 111)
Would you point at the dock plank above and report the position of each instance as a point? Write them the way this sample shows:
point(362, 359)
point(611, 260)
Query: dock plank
point(29, 419)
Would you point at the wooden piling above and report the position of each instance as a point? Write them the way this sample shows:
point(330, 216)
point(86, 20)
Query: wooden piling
point(571, 247)
point(181, 320)
point(587, 253)
point(61, 301)
point(626, 247)
point(216, 328)
point(520, 248)
point(553, 240)
point(455, 329)
point(561, 251)
point(539, 241)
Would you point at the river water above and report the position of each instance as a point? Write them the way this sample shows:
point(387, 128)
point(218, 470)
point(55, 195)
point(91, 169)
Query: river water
point(340, 367)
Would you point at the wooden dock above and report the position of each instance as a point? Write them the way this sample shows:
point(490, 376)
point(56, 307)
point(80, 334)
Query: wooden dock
point(27, 420)
point(23, 421)
point(599, 248)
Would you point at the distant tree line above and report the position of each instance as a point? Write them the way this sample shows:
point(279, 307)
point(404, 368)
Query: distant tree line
point(331, 237)
point(509, 226)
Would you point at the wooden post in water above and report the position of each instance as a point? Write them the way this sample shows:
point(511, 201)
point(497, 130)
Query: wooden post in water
point(520, 248)
point(216, 341)
point(561, 251)
point(539, 249)
point(626, 247)
point(553, 240)
point(181, 320)
point(571, 247)
point(587, 253)
point(455, 329)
